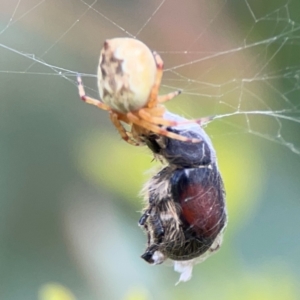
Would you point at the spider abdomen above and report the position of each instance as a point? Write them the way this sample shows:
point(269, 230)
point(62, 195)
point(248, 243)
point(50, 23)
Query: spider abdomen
point(126, 74)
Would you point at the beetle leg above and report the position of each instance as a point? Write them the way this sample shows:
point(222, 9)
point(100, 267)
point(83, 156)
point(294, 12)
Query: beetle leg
point(145, 216)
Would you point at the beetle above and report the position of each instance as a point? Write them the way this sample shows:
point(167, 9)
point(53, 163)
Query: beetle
point(185, 213)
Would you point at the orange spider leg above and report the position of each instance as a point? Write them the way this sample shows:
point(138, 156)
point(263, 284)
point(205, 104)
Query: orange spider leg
point(156, 111)
point(149, 116)
point(167, 97)
point(203, 120)
point(88, 99)
point(153, 97)
point(125, 135)
point(159, 130)
point(135, 132)
point(131, 134)
point(154, 91)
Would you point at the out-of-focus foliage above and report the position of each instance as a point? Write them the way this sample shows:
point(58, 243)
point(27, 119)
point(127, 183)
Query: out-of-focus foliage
point(69, 201)
point(52, 291)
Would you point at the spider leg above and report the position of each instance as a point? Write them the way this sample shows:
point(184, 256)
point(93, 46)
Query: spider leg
point(167, 97)
point(125, 135)
point(159, 130)
point(151, 118)
point(88, 99)
point(154, 91)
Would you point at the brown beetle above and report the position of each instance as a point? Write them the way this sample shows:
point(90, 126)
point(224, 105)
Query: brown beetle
point(185, 214)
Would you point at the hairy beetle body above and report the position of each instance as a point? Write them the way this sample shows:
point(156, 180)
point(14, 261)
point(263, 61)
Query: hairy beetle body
point(185, 214)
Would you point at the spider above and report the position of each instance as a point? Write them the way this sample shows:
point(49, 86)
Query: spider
point(129, 77)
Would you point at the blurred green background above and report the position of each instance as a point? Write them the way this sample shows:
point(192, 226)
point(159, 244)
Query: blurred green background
point(69, 202)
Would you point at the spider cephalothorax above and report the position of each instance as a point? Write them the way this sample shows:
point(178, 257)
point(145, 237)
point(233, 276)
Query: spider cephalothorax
point(129, 77)
point(185, 212)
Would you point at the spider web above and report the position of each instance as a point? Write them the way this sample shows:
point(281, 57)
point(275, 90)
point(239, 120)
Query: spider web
point(237, 60)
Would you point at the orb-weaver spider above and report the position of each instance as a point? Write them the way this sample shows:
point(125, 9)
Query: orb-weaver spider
point(129, 77)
